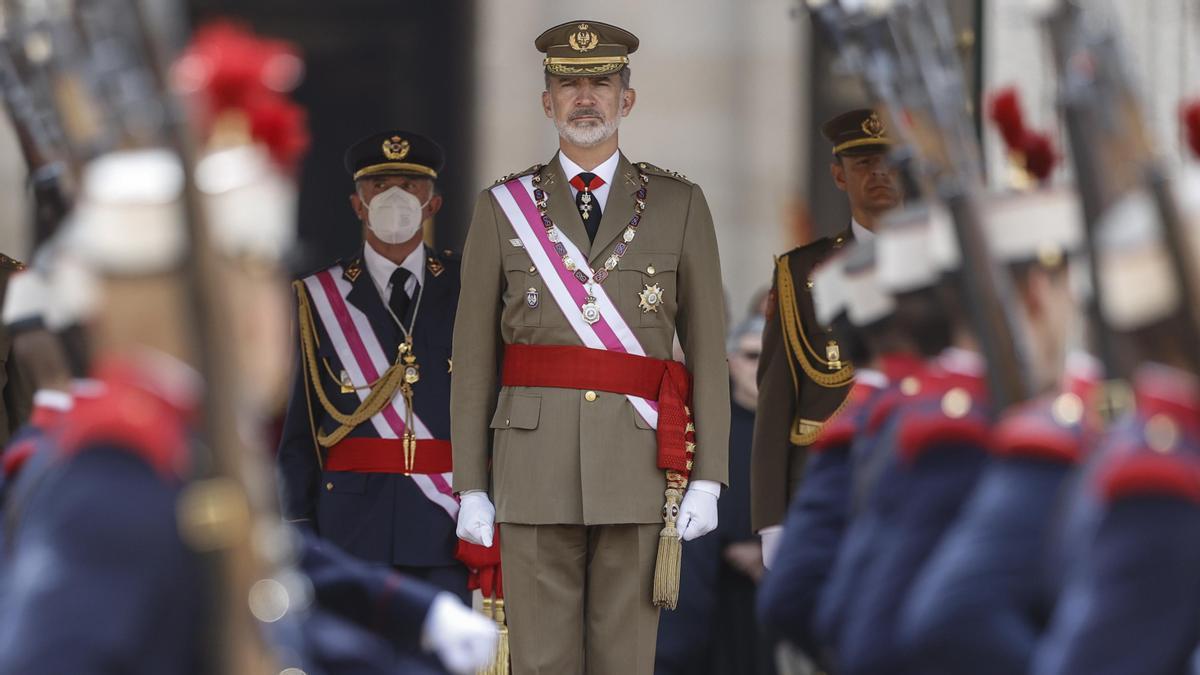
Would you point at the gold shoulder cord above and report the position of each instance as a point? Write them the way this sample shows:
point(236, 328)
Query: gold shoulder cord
point(796, 341)
point(381, 393)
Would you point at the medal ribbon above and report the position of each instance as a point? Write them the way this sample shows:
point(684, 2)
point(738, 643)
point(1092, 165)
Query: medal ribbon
point(364, 359)
point(611, 332)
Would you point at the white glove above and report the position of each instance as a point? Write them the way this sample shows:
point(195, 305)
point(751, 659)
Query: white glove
point(463, 640)
point(771, 537)
point(698, 512)
point(476, 519)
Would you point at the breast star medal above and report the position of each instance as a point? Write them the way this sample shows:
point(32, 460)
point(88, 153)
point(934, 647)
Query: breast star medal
point(650, 298)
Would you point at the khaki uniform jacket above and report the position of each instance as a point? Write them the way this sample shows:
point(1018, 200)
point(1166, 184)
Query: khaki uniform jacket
point(792, 406)
point(556, 457)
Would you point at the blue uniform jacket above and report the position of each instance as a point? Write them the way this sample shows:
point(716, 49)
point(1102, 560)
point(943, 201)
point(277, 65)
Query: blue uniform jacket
point(1132, 603)
point(983, 598)
point(935, 453)
point(812, 531)
point(379, 517)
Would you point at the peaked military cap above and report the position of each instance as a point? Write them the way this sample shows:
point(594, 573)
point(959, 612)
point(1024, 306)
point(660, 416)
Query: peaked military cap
point(394, 152)
point(857, 132)
point(585, 48)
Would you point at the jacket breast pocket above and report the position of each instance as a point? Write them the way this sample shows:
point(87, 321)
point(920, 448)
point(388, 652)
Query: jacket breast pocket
point(648, 287)
point(525, 292)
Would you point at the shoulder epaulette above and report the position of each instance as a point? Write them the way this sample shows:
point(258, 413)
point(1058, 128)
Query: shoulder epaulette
point(11, 264)
point(1041, 429)
point(518, 174)
point(133, 420)
point(953, 418)
point(1137, 473)
point(649, 168)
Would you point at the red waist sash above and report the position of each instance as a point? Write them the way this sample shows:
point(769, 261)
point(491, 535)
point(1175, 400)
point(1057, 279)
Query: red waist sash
point(386, 455)
point(568, 367)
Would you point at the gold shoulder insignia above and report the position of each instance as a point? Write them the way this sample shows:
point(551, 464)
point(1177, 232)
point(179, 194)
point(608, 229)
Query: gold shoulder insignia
point(666, 173)
point(11, 263)
point(435, 266)
point(526, 172)
point(350, 272)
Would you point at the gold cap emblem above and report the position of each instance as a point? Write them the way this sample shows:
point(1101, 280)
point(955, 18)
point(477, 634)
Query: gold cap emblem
point(873, 126)
point(395, 148)
point(583, 40)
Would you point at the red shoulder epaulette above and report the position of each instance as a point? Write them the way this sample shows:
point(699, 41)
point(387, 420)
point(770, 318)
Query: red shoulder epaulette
point(1145, 472)
point(131, 418)
point(840, 429)
point(1032, 431)
point(944, 414)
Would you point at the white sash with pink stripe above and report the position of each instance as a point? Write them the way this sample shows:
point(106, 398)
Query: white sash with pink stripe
point(611, 332)
point(365, 360)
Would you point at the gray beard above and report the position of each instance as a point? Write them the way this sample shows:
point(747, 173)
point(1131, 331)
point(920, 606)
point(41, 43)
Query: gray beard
point(588, 136)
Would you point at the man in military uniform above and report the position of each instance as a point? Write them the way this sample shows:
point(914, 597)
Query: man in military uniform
point(802, 377)
point(563, 370)
point(365, 454)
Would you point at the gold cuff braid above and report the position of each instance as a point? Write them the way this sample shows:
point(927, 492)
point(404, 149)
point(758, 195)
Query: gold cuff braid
point(381, 394)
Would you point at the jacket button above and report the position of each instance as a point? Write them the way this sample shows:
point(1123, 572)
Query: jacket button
point(329, 486)
point(590, 396)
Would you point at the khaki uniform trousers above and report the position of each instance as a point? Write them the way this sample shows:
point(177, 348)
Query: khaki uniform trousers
point(578, 598)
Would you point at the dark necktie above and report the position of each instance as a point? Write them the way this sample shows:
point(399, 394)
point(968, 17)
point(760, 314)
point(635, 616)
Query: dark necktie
point(589, 207)
point(399, 301)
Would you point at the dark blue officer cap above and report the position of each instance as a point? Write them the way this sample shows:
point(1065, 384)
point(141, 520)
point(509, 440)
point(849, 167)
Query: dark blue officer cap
point(394, 152)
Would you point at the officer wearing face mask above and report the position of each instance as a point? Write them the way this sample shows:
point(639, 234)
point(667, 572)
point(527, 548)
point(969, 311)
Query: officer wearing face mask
point(365, 453)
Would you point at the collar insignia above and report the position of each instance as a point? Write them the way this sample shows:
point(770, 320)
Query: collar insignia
point(436, 267)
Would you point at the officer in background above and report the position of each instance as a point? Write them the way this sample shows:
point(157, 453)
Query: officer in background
point(365, 451)
point(803, 375)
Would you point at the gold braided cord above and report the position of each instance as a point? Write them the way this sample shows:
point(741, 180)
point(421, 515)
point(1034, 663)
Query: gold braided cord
point(796, 341)
point(796, 437)
point(381, 394)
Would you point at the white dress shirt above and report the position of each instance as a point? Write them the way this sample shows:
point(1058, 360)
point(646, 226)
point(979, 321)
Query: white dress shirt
point(381, 269)
point(605, 171)
point(861, 233)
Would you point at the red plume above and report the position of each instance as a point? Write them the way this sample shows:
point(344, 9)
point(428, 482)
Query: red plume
point(281, 125)
point(1190, 112)
point(1036, 149)
point(1040, 155)
point(1005, 111)
point(227, 68)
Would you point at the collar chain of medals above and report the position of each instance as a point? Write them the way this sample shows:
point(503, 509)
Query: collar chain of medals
point(591, 312)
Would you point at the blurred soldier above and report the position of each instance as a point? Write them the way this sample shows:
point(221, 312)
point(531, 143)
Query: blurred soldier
point(576, 276)
point(365, 455)
point(1130, 603)
point(802, 375)
point(980, 603)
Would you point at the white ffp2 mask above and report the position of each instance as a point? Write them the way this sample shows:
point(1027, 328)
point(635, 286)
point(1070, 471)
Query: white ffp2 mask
point(394, 215)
